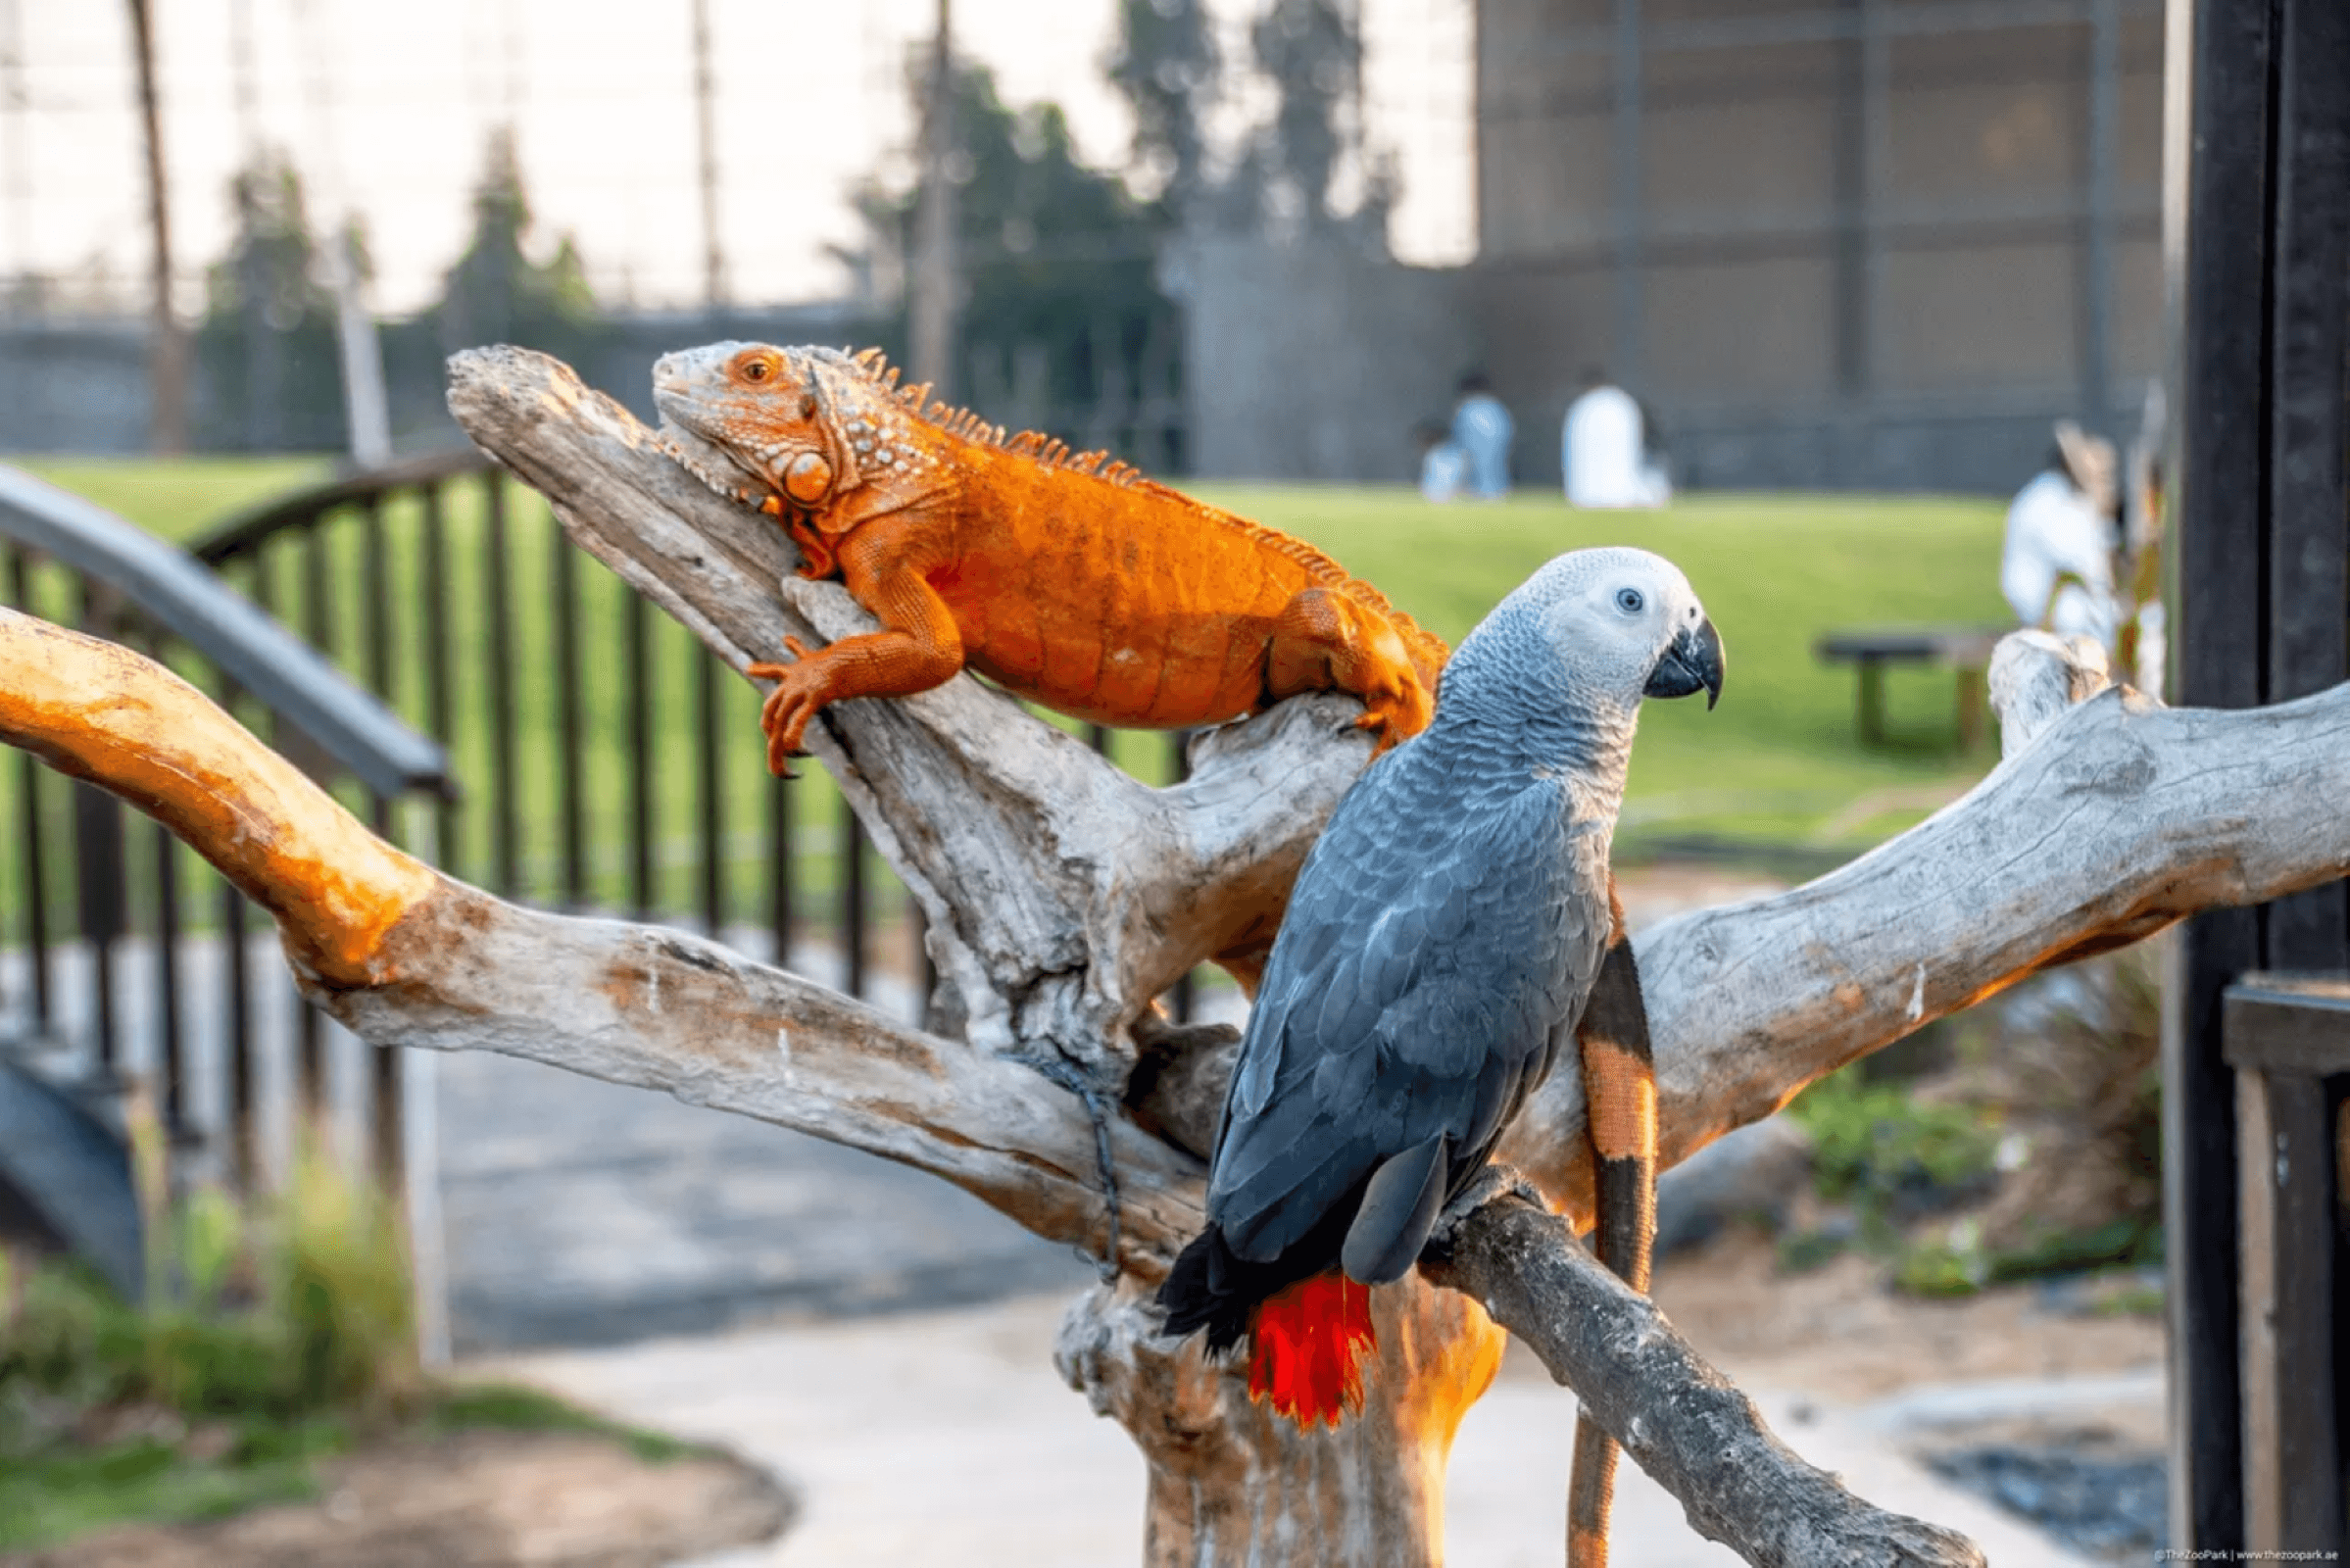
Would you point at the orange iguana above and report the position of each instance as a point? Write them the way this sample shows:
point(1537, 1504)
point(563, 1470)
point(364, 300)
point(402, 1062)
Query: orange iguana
point(1061, 577)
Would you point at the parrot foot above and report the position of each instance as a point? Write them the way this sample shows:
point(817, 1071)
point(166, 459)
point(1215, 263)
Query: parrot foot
point(1494, 1181)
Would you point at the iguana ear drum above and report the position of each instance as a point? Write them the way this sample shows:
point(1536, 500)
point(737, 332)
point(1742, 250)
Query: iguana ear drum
point(807, 479)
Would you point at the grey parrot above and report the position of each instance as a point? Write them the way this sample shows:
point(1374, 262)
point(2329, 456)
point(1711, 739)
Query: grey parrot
point(1443, 943)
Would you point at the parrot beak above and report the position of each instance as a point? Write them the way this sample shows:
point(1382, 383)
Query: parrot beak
point(1694, 661)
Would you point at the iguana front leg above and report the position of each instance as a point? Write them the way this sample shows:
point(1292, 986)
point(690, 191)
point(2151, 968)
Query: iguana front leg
point(1324, 641)
point(1619, 1090)
point(919, 645)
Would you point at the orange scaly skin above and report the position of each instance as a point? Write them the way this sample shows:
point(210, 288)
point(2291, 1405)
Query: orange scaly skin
point(1062, 578)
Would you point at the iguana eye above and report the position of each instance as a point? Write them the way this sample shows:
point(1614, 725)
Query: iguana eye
point(757, 367)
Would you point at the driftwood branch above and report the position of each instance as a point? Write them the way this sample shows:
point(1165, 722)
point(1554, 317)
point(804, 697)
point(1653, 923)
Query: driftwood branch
point(1062, 896)
point(1682, 1422)
point(2118, 819)
point(405, 956)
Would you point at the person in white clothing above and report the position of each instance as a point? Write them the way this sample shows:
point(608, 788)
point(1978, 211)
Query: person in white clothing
point(2056, 570)
point(1603, 450)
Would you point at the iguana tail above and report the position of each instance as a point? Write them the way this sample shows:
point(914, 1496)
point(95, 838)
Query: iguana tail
point(1619, 1086)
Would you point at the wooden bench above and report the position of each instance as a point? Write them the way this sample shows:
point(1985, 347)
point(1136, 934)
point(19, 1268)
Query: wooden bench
point(1966, 650)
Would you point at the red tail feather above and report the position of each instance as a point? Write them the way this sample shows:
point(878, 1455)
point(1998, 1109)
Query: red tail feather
point(1307, 1348)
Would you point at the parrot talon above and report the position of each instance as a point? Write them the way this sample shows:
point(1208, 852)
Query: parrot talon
point(1494, 1181)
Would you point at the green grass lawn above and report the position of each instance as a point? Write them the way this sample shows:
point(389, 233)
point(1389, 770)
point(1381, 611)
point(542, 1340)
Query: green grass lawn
point(1777, 764)
point(181, 499)
point(1779, 761)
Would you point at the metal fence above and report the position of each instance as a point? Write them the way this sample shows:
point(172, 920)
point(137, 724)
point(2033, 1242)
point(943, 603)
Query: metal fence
point(568, 747)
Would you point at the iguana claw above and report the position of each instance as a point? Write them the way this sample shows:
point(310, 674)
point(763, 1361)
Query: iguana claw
point(784, 715)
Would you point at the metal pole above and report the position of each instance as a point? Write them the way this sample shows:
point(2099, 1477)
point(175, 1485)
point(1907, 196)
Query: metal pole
point(934, 280)
point(366, 407)
point(713, 266)
point(167, 350)
point(2097, 268)
point(1626, 366)
point(19, 142)
point(365, 404)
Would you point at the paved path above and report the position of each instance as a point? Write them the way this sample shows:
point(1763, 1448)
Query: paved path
point(580, 1212)
point(947, 1439)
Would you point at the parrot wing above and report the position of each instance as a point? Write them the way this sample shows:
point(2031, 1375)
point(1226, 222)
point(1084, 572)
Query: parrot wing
point(1435, 953)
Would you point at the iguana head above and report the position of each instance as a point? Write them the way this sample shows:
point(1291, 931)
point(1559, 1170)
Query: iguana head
point(764, 424)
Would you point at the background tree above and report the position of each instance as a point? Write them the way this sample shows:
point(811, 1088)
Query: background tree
point(1312, 52)
point(266, 347)
point(1063, 316)
point(1168, 67)
point(496, 292)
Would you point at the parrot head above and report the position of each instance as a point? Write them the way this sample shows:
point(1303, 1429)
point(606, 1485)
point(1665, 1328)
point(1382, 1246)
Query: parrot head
point(1602, 628)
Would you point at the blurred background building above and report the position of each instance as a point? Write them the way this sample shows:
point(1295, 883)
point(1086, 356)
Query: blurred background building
point(1838, 243)
point(1828, 243)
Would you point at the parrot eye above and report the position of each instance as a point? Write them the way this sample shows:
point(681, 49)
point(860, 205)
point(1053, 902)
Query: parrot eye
point(1629, 601)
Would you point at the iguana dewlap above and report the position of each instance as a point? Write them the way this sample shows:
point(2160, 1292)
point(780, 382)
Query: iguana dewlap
point(1061, 577)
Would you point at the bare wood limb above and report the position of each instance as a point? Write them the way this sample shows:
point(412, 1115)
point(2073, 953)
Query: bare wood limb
point(405, 956)
point(2122, 816)
point(102, 713)
point(1684, 1424)
point(1062, 896)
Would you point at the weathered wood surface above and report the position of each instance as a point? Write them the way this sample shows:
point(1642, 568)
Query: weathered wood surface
point(1697, 1435)
point(1062, 896)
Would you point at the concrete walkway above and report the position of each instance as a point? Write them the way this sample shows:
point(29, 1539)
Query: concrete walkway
point(947, 1439)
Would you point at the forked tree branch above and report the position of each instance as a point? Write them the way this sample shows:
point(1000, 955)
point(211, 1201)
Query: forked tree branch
point(1062, 896)
point(405, 956)
point(1684, 1424)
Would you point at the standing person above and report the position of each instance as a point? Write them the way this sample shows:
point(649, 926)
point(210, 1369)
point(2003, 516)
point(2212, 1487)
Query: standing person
point(1603, 449)
point(1482, 428)
point(1442, 463)
point(2056, 569)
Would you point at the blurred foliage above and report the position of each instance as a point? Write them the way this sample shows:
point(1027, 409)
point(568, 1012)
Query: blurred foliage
point(1166, 65)
point(1890, 1154)
point(509, 1407)
point(300, 1311)
point(285, 1338)
point(2069, 1059)
point(1300, 165)
point(1061, 306)
point(2046, 1130)
point(496, 292)
point(1961, 1261)
point(267, 344)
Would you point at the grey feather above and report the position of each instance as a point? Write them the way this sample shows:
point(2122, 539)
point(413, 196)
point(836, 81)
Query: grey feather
point(1399, 1210)
point(1447, 927)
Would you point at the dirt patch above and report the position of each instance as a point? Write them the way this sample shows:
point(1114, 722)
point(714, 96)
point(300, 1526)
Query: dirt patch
point(1838, 1335)
point(480, 1500)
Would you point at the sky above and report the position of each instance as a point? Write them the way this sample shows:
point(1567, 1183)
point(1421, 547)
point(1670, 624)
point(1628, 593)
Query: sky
point(386, 107)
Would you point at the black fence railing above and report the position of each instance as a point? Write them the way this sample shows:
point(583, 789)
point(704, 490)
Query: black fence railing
point(607, 762)
point(123, 957)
